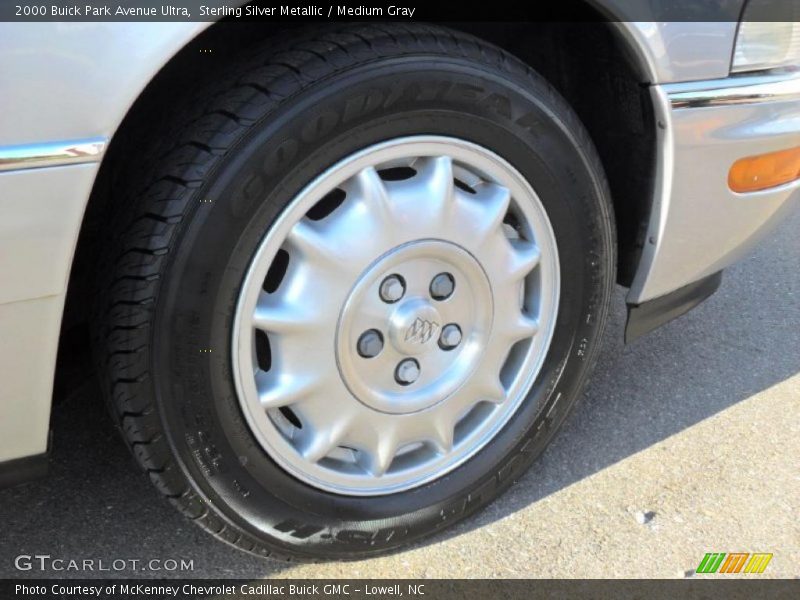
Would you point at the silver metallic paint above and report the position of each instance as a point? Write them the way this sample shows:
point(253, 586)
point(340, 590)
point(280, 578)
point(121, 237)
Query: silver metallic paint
point(685, 51)
point(698, 225)
point(28, 349)
point(77, 80)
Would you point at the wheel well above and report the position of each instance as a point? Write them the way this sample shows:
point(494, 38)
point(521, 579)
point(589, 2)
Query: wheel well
point(587, 62)
point(167, 96)
point(592, 67)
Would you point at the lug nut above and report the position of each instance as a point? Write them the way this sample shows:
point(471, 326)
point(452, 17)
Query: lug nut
point(450, 337)
point(392, 289)
point(407, 372)
point(370, 343)
point(442, 286)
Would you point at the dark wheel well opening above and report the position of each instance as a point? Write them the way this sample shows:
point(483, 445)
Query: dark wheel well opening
point(166, 102)
point(591, 66)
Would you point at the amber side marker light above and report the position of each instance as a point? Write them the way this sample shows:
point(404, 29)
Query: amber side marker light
point(764, 171)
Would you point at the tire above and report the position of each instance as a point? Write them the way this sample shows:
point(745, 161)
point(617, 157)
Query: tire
point(181, 246)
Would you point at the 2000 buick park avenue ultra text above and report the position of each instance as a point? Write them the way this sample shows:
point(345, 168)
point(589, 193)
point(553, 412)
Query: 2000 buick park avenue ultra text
point(216, 12)
point(344, 282)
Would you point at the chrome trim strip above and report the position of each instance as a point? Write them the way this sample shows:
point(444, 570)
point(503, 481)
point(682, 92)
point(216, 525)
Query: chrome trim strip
point(51, 154)
point(735, 90)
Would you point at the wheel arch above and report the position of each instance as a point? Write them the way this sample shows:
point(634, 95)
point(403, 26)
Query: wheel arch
point(192, 53)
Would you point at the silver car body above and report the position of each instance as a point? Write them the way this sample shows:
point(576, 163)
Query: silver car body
point(67, 87)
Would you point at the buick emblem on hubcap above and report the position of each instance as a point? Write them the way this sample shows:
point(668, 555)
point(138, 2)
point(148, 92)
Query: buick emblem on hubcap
point(421, 331)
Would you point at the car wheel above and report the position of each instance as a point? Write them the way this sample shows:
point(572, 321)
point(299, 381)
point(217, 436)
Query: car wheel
point(358, 294)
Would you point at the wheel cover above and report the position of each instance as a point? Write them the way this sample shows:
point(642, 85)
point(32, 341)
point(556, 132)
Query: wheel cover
point(396, 315)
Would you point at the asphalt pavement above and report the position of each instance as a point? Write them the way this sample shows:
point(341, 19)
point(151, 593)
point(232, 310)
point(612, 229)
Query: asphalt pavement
point(686, 442)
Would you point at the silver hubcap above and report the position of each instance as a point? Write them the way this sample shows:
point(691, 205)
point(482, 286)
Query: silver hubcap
point(395, 317)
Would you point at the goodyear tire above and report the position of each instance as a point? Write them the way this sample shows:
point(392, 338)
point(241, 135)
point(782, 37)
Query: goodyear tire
point(172, 332)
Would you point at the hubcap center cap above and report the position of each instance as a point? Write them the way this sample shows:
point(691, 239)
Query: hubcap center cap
point(414, 370)
point(414, 327)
